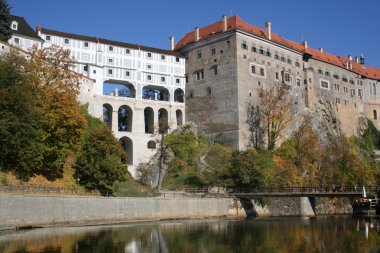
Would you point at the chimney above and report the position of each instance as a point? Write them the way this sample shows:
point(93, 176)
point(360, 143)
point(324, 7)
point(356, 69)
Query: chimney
point(357, 59)
point(224, 23)
point(269, 30)
point(38, 28)
point(321, 49)
point(305, 44)
point(172, 43)
point(196, 34)
point(350, 57)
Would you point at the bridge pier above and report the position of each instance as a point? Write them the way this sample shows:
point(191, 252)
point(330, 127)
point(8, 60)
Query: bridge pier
point(307, 206)
point(254, 209)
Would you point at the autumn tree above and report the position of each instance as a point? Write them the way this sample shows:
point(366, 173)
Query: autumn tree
point(255, 126)
point(5, 21)
point(61, 124)
point(275, 111)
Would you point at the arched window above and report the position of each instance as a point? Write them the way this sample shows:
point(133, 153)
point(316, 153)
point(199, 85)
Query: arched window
point(179, 95)
point(125, 116)
point(163, 125)
point(151, 144)
point(149, 120)
point(179, 117)
point(127, 145)
point(107, 115)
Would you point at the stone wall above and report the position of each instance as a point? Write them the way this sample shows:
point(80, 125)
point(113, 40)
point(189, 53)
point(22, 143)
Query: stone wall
point(20, 210)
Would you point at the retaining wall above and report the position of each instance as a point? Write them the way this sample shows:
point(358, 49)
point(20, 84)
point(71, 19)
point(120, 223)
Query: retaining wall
point(23, 210)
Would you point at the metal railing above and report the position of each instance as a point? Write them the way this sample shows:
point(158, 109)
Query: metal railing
point(299, 189)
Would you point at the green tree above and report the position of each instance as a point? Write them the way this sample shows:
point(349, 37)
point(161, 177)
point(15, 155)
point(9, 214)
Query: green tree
point(99, 164)
point(20, 140)
point(5, 21)
point(255, 168)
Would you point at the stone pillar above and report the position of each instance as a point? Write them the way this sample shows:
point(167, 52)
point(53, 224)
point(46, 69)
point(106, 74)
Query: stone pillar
point(307, 209)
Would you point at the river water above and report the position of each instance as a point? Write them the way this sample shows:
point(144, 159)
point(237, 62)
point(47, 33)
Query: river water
point(270, 235)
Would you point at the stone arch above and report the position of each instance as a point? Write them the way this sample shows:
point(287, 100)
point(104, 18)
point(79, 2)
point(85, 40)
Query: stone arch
point(119, 88)
point(149, 120)
point(155, 93)
point(107, 115)
point(127, 145)
point(179, 95)
point(179, 117)
point(125, 116)
point(151, 145)
point(163, 120)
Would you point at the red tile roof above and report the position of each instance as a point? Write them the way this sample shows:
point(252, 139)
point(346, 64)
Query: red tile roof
point(236, 23)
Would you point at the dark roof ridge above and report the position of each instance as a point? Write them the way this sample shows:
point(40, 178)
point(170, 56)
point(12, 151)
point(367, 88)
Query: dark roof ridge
point(110, 42)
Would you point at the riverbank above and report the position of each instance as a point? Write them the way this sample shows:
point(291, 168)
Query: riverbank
point(39, 211)
point(23, 211)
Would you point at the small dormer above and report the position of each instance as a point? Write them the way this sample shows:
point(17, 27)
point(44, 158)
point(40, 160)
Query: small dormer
point(14, 25)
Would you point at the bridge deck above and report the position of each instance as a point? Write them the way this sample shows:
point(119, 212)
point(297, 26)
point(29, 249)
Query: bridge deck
point(298, 194)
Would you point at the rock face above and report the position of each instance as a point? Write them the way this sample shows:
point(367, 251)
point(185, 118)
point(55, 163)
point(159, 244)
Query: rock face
point(325, 120)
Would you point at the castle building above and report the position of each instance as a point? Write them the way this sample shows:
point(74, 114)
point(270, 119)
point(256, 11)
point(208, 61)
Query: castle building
point(23, 35)
point(131, 87)
point(228, 61)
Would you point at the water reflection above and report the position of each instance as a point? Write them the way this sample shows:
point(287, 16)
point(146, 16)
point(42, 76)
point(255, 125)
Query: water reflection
point(323, 234)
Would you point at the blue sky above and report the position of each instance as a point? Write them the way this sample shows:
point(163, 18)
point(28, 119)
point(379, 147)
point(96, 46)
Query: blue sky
point(341, 27)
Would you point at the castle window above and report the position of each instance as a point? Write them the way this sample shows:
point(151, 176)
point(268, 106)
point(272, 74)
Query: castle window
point(110, 60)
point(374, 114)
point(320, 71)
point(244, 45)
point(151, 145)
point(67, 41)
point(177, 59)
point(325, 84)
point(208, 91)
point(200, 75)
point(298, 64)
point(336, 76)
point(149, 66)
point(277, 76)
point(149, 77)
point(163, 79)
point(215, 68)
point(228, 44)
point(177, 80)
point(187, 78)
point(258, 70)
point(286, 77)
point(254, 49)
point(213, 50)
point(289, 61)
point(261, 51)
point(268, 53)
point(162, 57)
point(298, 80)
point(282, 58)
point(127, 51)
point(47, 37)
point(110, 48)
point(374, 89)
point(17, 40)
point(85, 44)
point(110, 72)
point(14, 25)
point(199, 54)
point(344, 79)
point(127, 73)
point(327, 73)
point(149, 55)
point(276, 56)
point(352, 81)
